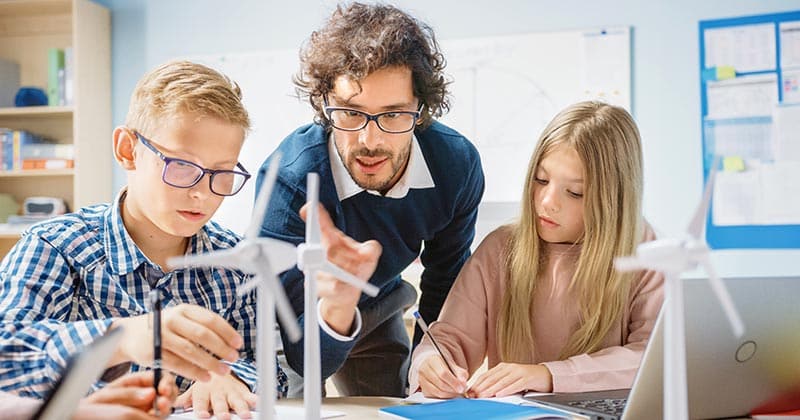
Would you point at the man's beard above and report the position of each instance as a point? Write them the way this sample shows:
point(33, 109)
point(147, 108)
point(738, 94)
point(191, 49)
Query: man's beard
point(371, 183)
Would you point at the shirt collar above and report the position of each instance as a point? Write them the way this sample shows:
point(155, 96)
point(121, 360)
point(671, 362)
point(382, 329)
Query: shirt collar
point(417, 175)
point(124, 256)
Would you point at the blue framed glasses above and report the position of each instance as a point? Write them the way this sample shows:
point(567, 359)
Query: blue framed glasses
point(181, 173)
point(392, 122)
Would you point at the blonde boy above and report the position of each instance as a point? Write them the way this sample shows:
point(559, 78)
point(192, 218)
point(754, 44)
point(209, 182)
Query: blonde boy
point(71, 279)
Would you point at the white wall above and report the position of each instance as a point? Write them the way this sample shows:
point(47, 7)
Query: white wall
point(666, 101)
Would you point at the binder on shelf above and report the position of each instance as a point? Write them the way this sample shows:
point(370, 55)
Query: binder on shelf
point(55, 65)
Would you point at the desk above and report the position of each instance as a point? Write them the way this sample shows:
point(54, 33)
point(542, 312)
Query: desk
point(353, 407)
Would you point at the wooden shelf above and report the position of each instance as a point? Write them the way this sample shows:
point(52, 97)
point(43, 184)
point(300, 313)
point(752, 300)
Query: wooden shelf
point(17, 8)
point(37, 111)
point(37, 172)
point(29, 29)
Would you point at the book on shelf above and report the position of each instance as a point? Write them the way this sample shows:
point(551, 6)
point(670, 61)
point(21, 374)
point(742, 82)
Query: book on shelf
point(53, 163)
point(69, 71)
point(20, 149)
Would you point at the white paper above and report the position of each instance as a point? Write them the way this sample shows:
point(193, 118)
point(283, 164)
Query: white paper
point(791, 86)
point(747, 48)
point(786, 134)
point(735, 198)
point(780, 183)
point(282, 413)
point(607, 67)
point(746, 138)
point(763, 194)
point(790, 44)
point(419, 398)
point(746, 96)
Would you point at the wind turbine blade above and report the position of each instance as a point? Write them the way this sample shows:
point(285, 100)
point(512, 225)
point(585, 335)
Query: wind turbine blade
point(724, 298)
point(282, 255)
point(313, 234)
point(698, 222)
point(249, 285)
point(342, 275)
point(262, 201)
point(284, 309)
point(228, 258)
point(631, 263)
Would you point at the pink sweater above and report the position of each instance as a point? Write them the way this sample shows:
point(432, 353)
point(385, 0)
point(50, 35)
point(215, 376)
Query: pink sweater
point(467, 326)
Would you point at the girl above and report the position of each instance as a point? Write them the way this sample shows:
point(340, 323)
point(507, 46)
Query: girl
point(540, 298)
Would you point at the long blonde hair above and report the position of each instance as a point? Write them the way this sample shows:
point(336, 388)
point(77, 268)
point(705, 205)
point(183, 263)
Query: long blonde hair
point(607, 141)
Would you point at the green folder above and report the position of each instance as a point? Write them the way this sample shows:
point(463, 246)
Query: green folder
point(55, 64)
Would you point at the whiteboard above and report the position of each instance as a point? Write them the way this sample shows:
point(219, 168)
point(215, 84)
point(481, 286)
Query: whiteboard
point(504, 91)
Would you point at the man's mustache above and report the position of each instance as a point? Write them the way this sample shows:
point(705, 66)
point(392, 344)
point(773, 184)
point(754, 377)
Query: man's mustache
point(372, 153)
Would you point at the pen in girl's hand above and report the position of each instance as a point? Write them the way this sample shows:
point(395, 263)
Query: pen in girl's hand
point(424, 327)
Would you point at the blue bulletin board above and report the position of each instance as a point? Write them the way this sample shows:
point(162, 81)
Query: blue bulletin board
point(750, 105)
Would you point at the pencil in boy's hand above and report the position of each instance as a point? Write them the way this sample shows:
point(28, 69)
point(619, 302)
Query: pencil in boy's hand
point(424, 327)
point(155, 305)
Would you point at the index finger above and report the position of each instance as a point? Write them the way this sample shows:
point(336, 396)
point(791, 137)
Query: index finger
point(215, 323)
point(135, 379)
point(445, 377)
point(330, 233)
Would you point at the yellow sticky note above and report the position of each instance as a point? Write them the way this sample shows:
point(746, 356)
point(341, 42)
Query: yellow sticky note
point(725, 72)
point(733, 164)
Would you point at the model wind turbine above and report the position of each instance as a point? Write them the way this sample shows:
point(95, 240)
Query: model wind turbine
point(672, 257)
point(265, 258)
point(310, 260)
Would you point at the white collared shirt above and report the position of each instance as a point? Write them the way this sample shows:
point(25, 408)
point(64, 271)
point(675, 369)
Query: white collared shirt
point(417, 175)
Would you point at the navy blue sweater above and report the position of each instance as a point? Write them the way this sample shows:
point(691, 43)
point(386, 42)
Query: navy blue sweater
point(442, 217)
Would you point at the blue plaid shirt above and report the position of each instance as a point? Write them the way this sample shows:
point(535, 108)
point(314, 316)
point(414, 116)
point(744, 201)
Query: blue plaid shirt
point(67, 279)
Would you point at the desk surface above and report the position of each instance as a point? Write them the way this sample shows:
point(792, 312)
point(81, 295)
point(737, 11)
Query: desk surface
point(354, 407)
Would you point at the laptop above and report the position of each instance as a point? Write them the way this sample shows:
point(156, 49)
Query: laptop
point(726, 376)
point(81, 372)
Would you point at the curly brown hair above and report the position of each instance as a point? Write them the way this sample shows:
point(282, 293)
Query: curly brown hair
point(359, 39)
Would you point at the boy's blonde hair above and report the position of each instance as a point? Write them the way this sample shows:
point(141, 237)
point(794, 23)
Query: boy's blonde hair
point(185, 88)
point(607, 142)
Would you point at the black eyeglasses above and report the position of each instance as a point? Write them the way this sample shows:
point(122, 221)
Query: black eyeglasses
point(393, 122)
point(181, 173)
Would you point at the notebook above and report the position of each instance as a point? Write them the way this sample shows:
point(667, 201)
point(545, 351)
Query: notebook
point(466, 409)
point(81, 372)
point(726, 376)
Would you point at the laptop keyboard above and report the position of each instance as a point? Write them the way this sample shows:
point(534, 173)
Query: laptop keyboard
point(613, 406)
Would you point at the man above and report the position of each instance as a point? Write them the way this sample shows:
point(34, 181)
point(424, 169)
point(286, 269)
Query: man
point(388, 172)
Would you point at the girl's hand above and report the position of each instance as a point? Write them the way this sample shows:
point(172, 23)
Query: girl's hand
point(436, 381)
point(511, 378)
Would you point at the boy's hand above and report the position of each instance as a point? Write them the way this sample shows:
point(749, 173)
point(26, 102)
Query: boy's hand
point(511, 378)
point(136, 390)
point(185, 328)
point(220, 395)
point(357, 258)
point(436, 381)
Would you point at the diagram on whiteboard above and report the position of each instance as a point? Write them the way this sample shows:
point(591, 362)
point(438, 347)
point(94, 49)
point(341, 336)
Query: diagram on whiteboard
point(506, 89)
